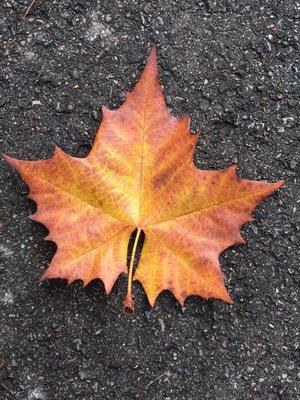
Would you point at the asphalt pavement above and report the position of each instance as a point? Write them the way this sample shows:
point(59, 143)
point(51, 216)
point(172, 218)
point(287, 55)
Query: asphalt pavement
point(234, 67)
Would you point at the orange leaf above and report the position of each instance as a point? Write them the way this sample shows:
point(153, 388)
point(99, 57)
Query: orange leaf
point(133, 180)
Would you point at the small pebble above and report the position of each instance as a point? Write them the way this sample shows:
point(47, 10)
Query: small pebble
point(168, 99)
point(204, 104)
point(63, 107)
point(96, 115)
point(95, 387)
point(148, 314)
point(289, 121)
point(161, 325)
point(176, 369)
point(76, 74)
point(8, 298)
point(293, 164)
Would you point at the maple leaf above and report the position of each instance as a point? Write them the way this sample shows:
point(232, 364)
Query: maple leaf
point(140, 176)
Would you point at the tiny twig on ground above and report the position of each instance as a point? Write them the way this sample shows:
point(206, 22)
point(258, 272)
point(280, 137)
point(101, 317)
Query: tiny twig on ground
point(29, 8)
point(5, 387)
point(140, 343)
point(155, 380)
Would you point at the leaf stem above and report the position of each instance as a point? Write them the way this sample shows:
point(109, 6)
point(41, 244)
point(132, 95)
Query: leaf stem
point(128, 302)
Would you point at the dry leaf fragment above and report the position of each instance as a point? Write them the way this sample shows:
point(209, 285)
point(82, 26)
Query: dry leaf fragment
point(140, 175)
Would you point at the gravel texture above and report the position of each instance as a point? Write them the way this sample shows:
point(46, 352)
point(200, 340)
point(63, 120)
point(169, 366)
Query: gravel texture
point(234, 67)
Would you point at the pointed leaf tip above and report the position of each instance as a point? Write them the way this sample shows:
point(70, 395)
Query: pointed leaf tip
point(227, 298)
point(151, 71)
point(6, 157)
point(14, 162)
point(153, 53)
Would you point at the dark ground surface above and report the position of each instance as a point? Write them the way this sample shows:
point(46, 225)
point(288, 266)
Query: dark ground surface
point(234, 67)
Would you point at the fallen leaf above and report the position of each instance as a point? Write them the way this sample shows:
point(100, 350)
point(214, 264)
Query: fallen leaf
point(140, 176)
